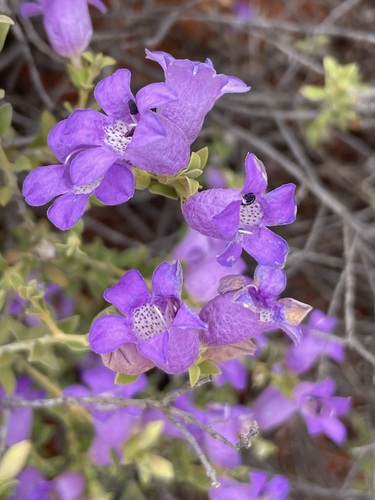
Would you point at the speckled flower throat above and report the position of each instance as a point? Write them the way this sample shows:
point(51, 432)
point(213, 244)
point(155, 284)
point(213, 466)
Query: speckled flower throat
point(150, 319)
point(118, 135)
point(250, 212)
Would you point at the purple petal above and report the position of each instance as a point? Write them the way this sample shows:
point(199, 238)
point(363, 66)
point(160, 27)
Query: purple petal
point(91, 164)
point(229, 322)
point(234, 86)
point(294, 332)
point(158, 146)
point(334, 429)
point(266, 247)
point(319, 321)
point(67, 210)
point(28, 9)
point(44, 183)
point(182, 350)
point(68, 26)
point(167, 280)
point(130, 292)
point(278, 488)
point(231, 254)
point(154, 95)
point(84, 127)
point(113, 93)
point(341, 405)
point(300, 358)
point(60, 150)
point(272, 409)
point(186, 318)
point(76, 390)
point(280, 206)
point(109, 332)
point(69, 485)
point(201, 208)
point(127, 359)
point(117, 186)
point(160, 57)
point(99, 379)
point(228, 219)
point(269, 281)
point(258, 482)
point(19, 425)
point(155, 348)
point(256, 176)
point(98, 4)
point(233, 372)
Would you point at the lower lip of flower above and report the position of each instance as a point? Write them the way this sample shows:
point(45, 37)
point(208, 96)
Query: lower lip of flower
point(250, 215)
point(87, 188)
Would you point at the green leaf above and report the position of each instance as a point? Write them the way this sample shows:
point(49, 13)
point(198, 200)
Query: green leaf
point(203, 155)
point(2, 93)
point(195, 162)
point(195, 173)
point(5, 118)
point(313, 92)
point(124, 378)
point(22, 164)
point(69, 325)
point(14, 460)
point(163, 190)
point(142, 179)
point(43, 354)
point(6, 194)
point(160, 467)
point(5, 23)
point(194, 374)
point(208, 368)
point(6, 487)
point(47, 121)
point(7, 379)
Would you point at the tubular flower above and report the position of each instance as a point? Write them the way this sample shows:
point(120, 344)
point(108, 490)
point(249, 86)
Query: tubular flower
point(242, 216)
point(246, 307)
point(155, 329)
point(67, 23)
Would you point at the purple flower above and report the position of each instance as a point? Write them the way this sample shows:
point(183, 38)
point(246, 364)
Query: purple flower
point(154, 329)
point(314, 401)
point(45, 183)
point(245, 308)
point(19, 423)
point(197, 86)
point(202, 272)
point(259, 488)
point(242, 216)
point(67, 23)
point(315, 344)
point(112, 427)
point(320, 408)
point(32, 485)
point(233, 372)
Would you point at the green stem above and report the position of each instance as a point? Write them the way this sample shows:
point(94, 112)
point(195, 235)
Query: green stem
point(61, 338)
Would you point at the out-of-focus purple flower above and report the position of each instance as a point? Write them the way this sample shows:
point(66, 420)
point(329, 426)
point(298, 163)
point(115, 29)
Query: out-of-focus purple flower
point(45, 183)
point(315, 344)
point(203, 272)
point(246, 308)
point(242, 216)
point(314, 401)
point(62, 306)
point(243, 9)
point(19, 423)
point(258, 489)
point(113, 426)
point(320, 408)
point(197, 86)
point(67, 23)
point(234, 373)
point(215, 178)
point(156, 328)
point(32, 485)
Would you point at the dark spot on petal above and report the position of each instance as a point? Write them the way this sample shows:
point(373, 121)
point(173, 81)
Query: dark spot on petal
point(248, 199)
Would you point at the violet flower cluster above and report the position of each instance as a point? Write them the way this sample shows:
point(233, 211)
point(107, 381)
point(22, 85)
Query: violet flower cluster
point(152, 130)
